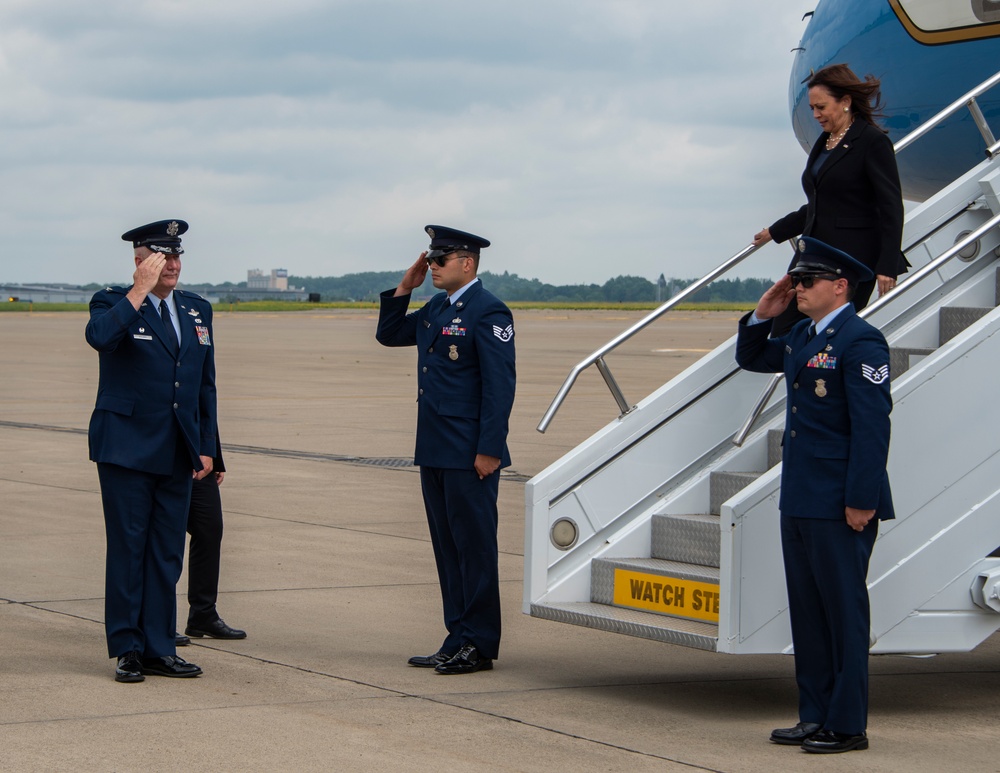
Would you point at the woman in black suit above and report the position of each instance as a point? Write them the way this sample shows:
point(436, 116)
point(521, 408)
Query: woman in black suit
point(853, 197)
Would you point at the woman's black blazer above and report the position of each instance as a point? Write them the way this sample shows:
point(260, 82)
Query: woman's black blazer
point(855, 203)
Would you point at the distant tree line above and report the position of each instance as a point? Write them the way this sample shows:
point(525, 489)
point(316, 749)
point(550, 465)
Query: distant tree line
point(511, 287)
point(366, 286)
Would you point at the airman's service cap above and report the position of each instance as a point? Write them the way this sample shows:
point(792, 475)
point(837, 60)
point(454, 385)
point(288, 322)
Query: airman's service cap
point(161, 236)
point(445, 240)
point(816, 257)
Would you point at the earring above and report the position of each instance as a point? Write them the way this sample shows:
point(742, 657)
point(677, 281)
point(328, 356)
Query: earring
point(846, 109)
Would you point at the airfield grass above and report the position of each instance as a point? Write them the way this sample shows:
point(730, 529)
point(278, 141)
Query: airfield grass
point(291, 306)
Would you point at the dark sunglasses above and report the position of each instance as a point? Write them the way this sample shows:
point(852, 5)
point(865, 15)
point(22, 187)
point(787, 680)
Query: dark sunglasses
point(441, 259)
point(807, 280)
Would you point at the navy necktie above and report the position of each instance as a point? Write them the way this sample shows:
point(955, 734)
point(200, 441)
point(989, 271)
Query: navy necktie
point(811, 334)
point(169, 325)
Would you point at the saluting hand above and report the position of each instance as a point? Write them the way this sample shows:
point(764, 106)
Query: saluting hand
point(414, 276)
point(147, 273)
point(776, 299)
point(146, 277)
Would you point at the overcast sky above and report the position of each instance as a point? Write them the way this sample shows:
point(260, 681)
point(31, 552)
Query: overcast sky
point(585, 138)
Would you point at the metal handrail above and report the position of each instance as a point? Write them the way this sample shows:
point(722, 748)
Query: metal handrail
point(902, 287)
point(598, 356)
point(967, 100)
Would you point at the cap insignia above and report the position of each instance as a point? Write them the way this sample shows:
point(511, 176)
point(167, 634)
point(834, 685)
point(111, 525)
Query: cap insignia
point(430, 232)
point(172, 228)
point(802, 246)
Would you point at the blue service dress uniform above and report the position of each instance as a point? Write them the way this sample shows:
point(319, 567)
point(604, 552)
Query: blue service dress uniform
point(155, 416)
point(465, 378)
point(835, 448)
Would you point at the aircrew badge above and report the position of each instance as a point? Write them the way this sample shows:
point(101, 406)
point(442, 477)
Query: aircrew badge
point(820, 388)
point(875, 375)
point(172, 228)
point(453, 352)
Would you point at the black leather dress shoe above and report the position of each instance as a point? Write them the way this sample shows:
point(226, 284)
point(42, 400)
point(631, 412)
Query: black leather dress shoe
point(180, 640)
point(794, 736)
point(216, 630)
point(129, 668)
point(829, 742)
point(466, 661)
point(169, 665)
point(431, 661)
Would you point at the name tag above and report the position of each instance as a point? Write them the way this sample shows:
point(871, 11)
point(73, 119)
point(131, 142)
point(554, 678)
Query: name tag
point(142, 337)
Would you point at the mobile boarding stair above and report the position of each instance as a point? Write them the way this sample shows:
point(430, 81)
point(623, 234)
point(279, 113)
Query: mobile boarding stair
point(664, 524)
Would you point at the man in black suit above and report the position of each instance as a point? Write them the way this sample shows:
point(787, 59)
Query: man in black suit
point(466, 376)
point(834, 485)
point(205, 558)
point(152, 431)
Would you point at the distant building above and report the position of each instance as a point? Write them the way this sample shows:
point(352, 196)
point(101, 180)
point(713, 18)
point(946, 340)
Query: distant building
point(278, 280)
point(44, 293)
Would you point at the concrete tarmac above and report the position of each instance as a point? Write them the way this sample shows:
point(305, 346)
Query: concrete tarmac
point(328, 565)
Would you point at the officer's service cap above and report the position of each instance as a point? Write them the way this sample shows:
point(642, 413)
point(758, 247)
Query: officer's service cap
point(161, 236)
point(445, 240)
point(816, 257)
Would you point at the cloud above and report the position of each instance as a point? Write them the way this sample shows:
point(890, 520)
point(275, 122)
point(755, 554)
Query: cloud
point(585, 139)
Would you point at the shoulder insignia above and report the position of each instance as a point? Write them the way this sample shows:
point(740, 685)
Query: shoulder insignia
point(503, 333)
point(875, 375)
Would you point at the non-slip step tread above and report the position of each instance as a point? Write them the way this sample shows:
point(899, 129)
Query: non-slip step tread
point(631, 622)
point(663, 567)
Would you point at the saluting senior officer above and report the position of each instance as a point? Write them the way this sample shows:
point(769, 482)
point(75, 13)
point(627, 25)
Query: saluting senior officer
point(151, 433)
point(834, 485)
point(465, 361)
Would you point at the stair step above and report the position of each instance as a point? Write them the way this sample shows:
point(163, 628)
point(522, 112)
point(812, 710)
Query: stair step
point(954, 319)
point(646, 625)
point(670, 588)
point(901, 358)
point(774, 437)
point(724, 485)
point(688, 539)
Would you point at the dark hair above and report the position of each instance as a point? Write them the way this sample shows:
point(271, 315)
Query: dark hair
point(840, 81)
point(469, 254)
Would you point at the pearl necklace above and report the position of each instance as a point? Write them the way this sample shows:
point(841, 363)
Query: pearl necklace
point(832, 142)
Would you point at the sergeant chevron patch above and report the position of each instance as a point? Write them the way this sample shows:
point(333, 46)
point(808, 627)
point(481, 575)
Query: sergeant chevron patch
point(503, 333)
point(875, 375)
